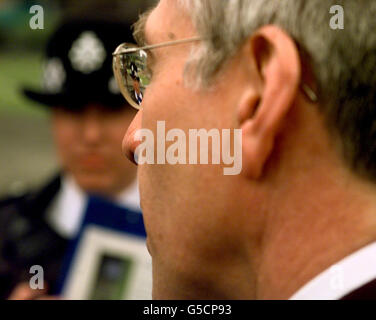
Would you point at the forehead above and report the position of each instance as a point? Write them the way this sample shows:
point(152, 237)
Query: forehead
point(167, 22)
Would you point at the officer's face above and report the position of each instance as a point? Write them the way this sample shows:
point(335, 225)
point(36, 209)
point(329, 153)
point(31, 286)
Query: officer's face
point(89, 147)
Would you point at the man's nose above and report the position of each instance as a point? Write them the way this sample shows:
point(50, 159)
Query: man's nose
point(129, 144)
point(92, 128)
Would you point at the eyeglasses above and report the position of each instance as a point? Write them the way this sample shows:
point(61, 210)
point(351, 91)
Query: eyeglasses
point(130, 65)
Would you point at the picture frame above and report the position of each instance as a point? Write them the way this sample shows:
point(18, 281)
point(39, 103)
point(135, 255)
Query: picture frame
point(109, 265)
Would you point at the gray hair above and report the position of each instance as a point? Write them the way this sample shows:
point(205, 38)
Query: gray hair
point(343, 61)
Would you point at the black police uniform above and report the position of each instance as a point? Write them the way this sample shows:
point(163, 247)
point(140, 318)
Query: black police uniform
point(27, 240)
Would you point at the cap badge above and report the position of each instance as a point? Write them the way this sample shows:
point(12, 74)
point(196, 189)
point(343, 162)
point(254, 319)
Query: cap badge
point(87, 53)
point(112, 86)
point(53, 75)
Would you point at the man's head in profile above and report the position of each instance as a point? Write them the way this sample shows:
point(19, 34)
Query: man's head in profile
point(304, 97)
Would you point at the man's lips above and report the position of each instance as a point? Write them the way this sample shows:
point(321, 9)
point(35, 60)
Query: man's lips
point(92, 161)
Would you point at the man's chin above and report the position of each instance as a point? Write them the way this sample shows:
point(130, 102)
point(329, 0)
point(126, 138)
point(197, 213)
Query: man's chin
point(96, 184)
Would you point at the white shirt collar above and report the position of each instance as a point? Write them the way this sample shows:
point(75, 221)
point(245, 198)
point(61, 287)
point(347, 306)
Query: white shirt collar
point(341, 278)
point(65, 212)
point(130, 197)
point(67, 208)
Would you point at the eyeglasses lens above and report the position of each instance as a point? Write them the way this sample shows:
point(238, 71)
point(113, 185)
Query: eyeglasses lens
point(132, 75)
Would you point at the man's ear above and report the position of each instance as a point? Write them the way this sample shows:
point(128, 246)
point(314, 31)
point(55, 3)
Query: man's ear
point(262, 112)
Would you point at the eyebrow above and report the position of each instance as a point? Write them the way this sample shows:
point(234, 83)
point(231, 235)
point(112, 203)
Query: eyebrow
point(139, 33)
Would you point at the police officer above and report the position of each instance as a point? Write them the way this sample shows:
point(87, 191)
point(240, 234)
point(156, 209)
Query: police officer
point(89, 118)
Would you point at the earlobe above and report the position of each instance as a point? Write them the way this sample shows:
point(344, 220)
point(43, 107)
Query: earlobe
point(278, 67)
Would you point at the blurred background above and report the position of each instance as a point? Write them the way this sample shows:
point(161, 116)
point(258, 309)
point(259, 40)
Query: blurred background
point(27, 157)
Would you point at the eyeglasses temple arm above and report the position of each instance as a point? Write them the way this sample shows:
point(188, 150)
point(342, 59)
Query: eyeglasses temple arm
point(159, 45)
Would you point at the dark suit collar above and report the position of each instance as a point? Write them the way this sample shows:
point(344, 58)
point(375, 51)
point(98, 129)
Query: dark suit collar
point(36, 204)
point(365, 292)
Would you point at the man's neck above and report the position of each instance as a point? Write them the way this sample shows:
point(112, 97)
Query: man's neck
point(309, 237)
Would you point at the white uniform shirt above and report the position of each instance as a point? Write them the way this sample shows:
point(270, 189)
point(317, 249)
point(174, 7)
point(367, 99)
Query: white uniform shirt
point(66, 211)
